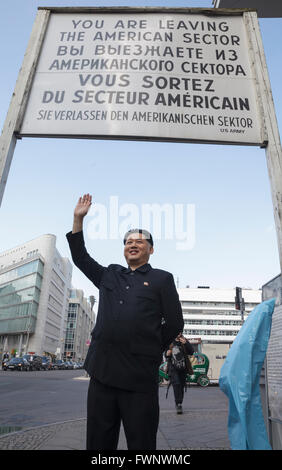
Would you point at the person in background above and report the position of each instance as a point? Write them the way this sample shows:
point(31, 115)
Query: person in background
point(5, 358)
point(178, 367)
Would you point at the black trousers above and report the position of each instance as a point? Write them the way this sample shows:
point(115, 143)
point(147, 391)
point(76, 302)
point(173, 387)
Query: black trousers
point(108, 406)
point(178, 393)
point(178, 379)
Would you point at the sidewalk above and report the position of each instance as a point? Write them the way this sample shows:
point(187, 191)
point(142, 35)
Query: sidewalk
point(203, 425)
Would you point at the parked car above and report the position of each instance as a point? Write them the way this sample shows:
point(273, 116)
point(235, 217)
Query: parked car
point(79, 365)
point(69, 365)
point(58, 364)
point(16, 363)
point(46, 363)
point(34, 361)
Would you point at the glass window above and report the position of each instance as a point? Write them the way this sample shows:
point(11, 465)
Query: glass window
point(69, 335)
point(20, 271)
point(24, 309)
point(23, 283)
point(12, 298)
point(18, 325)
point(40, 267)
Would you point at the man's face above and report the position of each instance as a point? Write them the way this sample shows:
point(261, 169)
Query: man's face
point(137, 249)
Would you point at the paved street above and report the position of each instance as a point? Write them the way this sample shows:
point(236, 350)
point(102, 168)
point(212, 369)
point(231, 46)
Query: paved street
point(41, 397)
point(48, 410)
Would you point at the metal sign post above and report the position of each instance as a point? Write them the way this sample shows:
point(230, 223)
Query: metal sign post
point(274, 164)
point(17, 107)
point(273, 147)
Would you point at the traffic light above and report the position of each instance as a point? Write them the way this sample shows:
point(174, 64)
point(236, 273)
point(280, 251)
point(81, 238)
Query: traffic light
point(238, 298)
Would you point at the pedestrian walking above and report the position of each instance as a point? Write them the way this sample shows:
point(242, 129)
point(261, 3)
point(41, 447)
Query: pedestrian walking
point(178, 367)
point(139, 314)
point(5, 358)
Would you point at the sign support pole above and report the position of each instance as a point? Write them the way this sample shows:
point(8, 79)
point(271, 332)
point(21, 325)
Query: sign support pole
point(18, 103)
point(273, 154)
point(273, 149)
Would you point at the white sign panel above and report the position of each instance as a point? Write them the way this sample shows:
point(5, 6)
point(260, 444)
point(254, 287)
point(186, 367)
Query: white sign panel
point(145, 75)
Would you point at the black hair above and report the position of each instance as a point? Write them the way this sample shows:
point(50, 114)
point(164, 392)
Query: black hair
point(147, 235)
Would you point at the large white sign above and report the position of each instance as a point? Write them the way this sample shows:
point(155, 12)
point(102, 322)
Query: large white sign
point(145, 75)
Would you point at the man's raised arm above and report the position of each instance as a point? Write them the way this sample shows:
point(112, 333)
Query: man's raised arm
point(80, 257)
point(80, 212)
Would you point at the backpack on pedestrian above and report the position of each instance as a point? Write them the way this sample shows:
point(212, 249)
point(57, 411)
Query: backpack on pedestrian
point(178, 357)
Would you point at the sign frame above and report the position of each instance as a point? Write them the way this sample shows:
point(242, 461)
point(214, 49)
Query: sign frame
point(225, 140)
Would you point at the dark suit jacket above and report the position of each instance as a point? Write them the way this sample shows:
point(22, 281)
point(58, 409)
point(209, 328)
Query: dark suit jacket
point(139, 315)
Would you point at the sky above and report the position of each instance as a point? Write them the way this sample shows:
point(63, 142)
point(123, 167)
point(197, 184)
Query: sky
point(226, 189)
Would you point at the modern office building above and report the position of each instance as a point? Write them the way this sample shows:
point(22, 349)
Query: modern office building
point(80, 323)
point(211, 321)
point(35, 282)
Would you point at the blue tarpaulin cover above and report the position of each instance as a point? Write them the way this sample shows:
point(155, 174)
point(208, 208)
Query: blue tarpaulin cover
point(239, 380)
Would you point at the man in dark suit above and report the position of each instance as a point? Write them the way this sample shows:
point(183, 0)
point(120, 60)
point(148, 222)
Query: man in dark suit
point(139, 315)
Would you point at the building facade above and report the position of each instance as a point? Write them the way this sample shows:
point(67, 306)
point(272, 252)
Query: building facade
point(35, 283)
point(211, 320)
point(80, 323)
